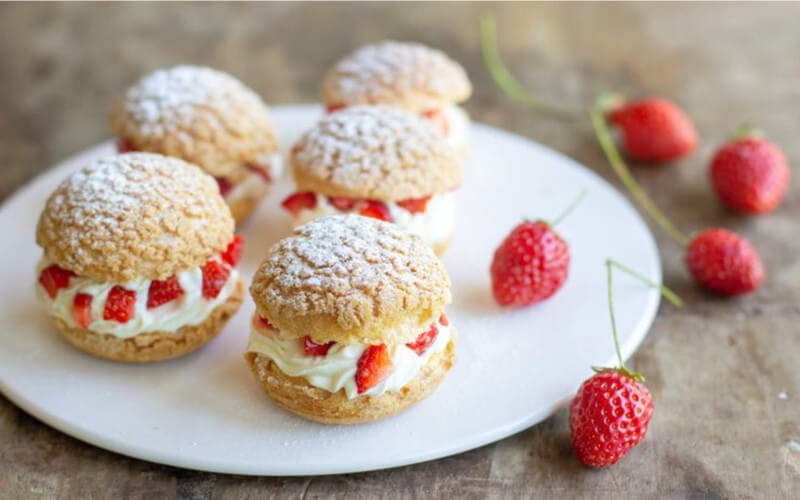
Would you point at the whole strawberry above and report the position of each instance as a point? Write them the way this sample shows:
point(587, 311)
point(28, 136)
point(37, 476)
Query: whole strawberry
point(654, 130)
point(609, 416)
point(532, 262)
point(750, 174)
point(724, 262)
point(530, 265)
point(612, 409)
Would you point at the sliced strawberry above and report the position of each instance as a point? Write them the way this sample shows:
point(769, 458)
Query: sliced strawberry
point(300, 201)
point(120, 305)
point(54, 278)
point(424, 340)
point(415, 205)
point(332, 108)
point(225, 186)
point(124, 146)
point(215, 275)
point(437, 118)
point(262, 323)
point(82, 310)
point(311, 348)
point(342, 203)
point(443, 320)
point(262, 171)
point(161, 292)
point(376, 210)
point(373, 366)
point(233, 254)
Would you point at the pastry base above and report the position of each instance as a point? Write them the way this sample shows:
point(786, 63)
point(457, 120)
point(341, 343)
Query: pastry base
point(155, 346)
point(298, 396)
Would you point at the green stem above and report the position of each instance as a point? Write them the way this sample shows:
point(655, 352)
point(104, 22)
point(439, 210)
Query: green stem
point(569, 209)
point(745, 130)
point(611, 313)
point(666, 292)
point(507, 83)
point(597, 115)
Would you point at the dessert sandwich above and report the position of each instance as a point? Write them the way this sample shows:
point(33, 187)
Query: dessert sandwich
point(139, 258)
point(379, 162)
point(209, 119)
point(350, 323)
point(410, 76)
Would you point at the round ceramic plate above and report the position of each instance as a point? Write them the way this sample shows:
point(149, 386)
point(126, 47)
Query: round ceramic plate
point(205, 411)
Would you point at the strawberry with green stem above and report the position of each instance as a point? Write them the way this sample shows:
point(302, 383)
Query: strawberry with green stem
point(707, 253)
point(532, 262)
point(610, 413)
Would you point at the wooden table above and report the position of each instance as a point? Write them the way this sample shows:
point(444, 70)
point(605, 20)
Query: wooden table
point(724, 373)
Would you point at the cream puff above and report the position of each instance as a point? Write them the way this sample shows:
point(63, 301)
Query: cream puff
point(209, 119)
point(139, 258)
point(350, 323)
point(379, 162)
point(410, 76)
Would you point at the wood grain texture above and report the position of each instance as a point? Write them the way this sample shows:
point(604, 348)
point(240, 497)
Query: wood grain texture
point(716, 368)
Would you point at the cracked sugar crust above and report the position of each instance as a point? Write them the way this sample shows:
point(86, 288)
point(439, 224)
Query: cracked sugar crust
point(201, 115)
point(406, 75)
point(348, 278)
point(135, 215)
point(374, 152)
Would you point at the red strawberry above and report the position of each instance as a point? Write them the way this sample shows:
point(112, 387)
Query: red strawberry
point(54, 278)
point(120, 305)
point(161, 292)
point(82, 310)
point(724, 262)
point(342, 203)
point(611, 411)
point(373, 366)
point(225, 186)
point(530, 265)
point(215, 275)
point(608, 416)
point(415, 205)
point(262, 323)
point(300, 201)
point(424, 340)
point(376, 210)
point(261, 171)
point(332, 108)
point(124, 146)
point(750, 174)
point(233, 254)
point(311, 348)
point(654, 130)
point(437, 118)
point(443, 320)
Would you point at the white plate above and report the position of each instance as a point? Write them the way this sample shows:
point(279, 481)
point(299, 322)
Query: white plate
point(205, 411)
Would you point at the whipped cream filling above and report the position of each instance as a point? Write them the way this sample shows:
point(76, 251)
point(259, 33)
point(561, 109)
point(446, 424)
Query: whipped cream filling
point(435, 225)
point(337, 369)
point(458, 127)
point(189, 309)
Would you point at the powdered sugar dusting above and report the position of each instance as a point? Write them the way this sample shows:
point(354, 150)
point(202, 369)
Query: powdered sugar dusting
point(387, 71)
point(351, 267)
point(378, 152)
point(132, 215)
point(198, 114)
point(167, 98)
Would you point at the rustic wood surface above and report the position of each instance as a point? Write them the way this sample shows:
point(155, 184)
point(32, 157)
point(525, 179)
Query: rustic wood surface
point(724, 373)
